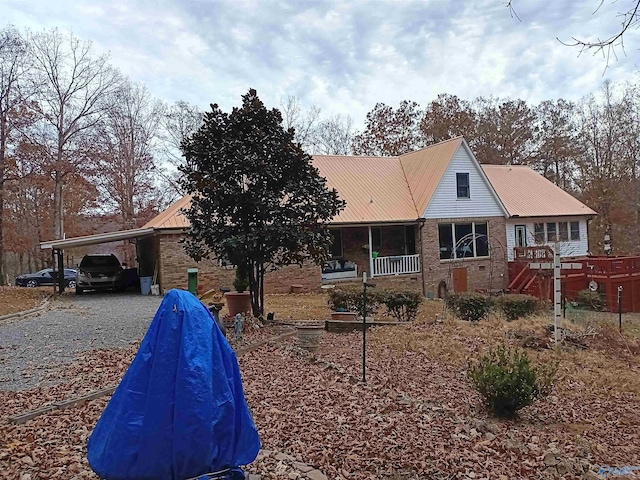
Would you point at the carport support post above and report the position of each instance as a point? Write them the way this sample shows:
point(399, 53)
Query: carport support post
point(53, 263)
point(60, 271)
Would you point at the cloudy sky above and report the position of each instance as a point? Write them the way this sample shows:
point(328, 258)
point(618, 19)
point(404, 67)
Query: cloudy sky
point(344, 55)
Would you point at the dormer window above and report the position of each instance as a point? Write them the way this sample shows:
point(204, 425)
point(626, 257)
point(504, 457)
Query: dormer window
point(462, 185)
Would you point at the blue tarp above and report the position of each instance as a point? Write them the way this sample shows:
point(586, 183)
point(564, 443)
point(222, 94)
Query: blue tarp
point(179, 411)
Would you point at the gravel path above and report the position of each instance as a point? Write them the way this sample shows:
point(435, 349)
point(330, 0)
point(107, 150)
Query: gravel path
point(31, 346)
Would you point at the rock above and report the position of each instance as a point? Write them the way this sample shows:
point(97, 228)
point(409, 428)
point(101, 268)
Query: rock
point(25, 476)
point(489, 436)
point(316, 475)
point(293, 475)
point(474, 433)
point(534, 439)
point(266, 453)
point(550, 459)
point(283, 457)
point(27, 460)
point(303, 467)
point(562, 469)
point(254, 477)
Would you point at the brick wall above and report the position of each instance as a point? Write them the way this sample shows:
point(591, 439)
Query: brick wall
point(481, 273)
point(174, 263)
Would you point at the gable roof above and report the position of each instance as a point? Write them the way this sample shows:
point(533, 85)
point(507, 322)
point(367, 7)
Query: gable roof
point(172, 217)
point(540, 198)
point(424, 169)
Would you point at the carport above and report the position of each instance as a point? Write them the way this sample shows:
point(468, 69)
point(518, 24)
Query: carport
point(145, 251)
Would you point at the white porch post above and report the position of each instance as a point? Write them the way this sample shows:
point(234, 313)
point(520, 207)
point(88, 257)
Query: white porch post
point(371, 253)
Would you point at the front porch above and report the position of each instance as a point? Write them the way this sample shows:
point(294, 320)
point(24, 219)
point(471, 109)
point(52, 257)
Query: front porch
point(379, 250)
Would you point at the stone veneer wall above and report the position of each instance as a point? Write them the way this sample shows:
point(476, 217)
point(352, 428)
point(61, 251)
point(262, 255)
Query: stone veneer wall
point(174, 263)
point(481, 273)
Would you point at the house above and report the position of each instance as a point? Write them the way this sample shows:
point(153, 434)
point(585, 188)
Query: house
point(433, 220)
point(540, 213)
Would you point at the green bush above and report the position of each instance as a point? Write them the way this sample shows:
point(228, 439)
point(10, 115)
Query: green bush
point(402, 305)
point(517, 306)
point(351, 299)
point(590, 300)
point(507, 381)
point(471, 307)
point(241, 281)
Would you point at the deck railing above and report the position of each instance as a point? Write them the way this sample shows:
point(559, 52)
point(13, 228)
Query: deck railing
point(396, 265)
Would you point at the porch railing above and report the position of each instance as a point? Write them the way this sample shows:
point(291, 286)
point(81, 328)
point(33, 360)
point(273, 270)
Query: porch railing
point(397, 265)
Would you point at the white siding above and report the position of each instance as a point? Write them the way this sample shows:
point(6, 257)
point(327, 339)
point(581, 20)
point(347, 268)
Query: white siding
point(567, 249)
point(445, 202)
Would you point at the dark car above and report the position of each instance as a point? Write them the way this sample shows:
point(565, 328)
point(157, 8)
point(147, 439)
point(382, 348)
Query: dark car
point(99, 272)
point(45, 277)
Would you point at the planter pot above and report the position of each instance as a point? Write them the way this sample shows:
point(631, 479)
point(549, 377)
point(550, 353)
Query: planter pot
point(309, 336)
point(238, 302)
point(344, 316)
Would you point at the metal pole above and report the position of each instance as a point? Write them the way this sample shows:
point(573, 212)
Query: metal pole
point(364, 328)
point(557, 293)
point(620, 308)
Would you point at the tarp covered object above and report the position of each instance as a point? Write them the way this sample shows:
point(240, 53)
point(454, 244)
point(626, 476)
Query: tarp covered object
point(179, 411)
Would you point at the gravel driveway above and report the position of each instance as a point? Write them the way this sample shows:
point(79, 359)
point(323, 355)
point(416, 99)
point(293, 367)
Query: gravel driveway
point(72, 325)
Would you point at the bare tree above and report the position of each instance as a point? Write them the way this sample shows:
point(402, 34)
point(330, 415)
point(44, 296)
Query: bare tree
point(127, 137)
point(333, 136)
point(303, 122)
point(75, 85)
point(630, 19)
point(14, 94)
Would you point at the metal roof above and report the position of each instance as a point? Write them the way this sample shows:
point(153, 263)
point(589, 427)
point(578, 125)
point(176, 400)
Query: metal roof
point(374, 188)
point(172, 217)
point(97, 238)
point(424, 170)
point(526, 193)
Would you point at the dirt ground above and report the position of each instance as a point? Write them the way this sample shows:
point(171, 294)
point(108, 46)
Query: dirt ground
point(17, 299)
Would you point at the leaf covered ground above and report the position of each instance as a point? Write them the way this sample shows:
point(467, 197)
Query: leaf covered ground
point(18, 299)
point(416, 417)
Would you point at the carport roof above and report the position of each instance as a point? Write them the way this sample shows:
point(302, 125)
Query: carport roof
point(97, 238)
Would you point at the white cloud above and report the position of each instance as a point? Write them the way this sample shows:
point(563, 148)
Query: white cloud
point(343, 56)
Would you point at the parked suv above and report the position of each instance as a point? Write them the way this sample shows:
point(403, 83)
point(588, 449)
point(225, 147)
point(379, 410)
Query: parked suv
point(99, 272)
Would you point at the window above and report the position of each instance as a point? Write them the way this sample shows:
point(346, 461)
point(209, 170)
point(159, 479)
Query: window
point(376, 238)
point(482, 240)
point(575, 230)
point(538, 233)
point(464, 240)
point(462, 184)
point(336, 246)
point(470, 240)
point(563, 232)
point(551, 232)
point(445, 234)
point(409, 240)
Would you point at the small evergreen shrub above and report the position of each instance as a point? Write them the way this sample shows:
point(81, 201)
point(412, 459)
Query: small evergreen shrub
point(507, 381)
point(402, 305)
point(241, 281)
point(470, 307)
point(517, 306)
point(351, 299)
point(590, 300)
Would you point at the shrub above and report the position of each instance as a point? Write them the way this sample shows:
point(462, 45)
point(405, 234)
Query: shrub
point(589, 299)
point(351, 299)
point(402, 305)
point(471, 307)
point(507, 381)
point(517, 306)
point(242, 281)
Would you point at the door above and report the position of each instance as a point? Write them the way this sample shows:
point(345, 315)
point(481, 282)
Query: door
point(521, 235)
point(460, 280)
point(409, 240)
